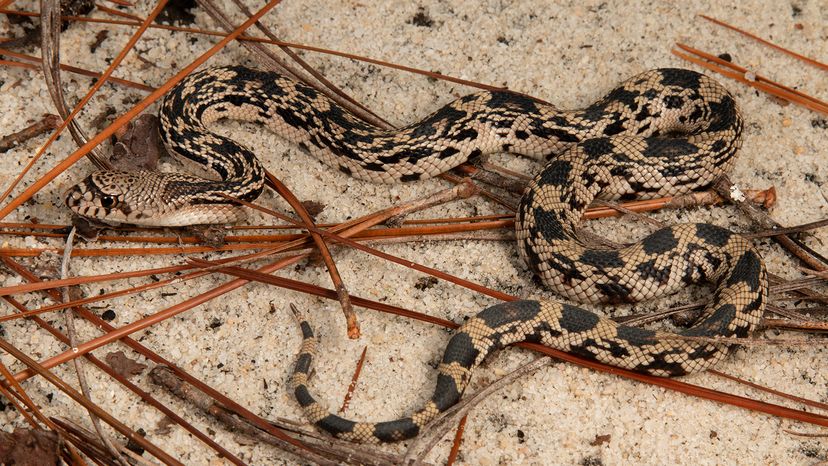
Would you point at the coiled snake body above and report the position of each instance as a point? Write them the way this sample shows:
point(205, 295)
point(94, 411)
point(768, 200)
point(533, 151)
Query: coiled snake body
point(663, 132)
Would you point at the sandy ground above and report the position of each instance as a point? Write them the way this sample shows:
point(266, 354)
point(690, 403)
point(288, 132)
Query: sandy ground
point(569, 53)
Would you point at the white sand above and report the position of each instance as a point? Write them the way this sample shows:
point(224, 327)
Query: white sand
point(567, 54)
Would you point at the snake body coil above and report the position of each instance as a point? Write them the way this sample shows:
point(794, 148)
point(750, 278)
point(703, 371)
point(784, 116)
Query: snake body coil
point(663, 132)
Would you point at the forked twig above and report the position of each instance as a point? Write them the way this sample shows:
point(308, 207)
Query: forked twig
point(341, 290)
point(727, 189)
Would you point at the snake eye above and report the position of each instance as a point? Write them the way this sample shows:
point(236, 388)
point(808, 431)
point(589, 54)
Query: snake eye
point(107, 201)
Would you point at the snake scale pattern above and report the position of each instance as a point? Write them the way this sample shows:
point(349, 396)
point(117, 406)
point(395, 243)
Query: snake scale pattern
point(663, 132)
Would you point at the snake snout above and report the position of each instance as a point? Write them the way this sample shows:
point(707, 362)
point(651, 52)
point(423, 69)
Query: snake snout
point(86, 200)
point(74, 196)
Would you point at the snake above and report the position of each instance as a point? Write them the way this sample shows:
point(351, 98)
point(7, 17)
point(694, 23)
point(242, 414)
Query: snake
point(663, 132)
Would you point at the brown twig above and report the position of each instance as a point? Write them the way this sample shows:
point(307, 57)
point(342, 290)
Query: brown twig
point(115, 12)
point(789, 230)
point(725, 188)
point(71, 69)
point(354, 379)
point(784, 395)
point(44, 125)
point(803, 325)
point(458, 440)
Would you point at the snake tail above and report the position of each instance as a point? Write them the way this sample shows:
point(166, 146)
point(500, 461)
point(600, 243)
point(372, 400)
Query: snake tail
point(561, 326)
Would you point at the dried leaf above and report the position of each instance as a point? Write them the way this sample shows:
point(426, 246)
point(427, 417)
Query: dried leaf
point(123, 365)
point(600, 440)
point(424, 283)
point(139, 145)
point(163, 427)
point(314, 208)
point(210, 235)
point(26, 447)
point(86, 229)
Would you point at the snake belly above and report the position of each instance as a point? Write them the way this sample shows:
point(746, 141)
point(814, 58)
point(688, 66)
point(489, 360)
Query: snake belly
point(663, 132)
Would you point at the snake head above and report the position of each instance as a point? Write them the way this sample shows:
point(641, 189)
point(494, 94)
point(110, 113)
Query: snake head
point(149, 199)
point(103, 196)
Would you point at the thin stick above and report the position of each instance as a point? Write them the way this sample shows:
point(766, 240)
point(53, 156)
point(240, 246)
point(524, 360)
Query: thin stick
point(437, 429)
point(354, 379)
point(71, 332)
point(115, 12)
point(789, 230)
point(458, 439)
point(770, 44)
point(755, 386)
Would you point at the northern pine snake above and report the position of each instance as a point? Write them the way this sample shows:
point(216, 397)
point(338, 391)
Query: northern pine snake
point(663, 132)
